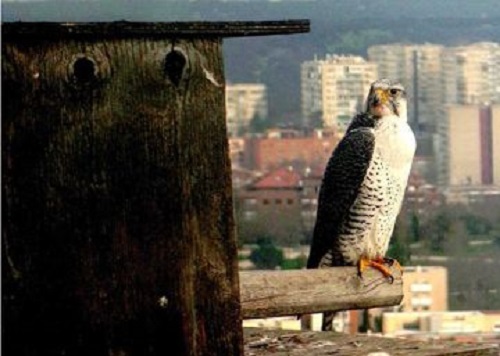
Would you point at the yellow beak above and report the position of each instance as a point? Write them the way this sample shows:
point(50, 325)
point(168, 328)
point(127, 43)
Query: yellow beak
point(381, 95)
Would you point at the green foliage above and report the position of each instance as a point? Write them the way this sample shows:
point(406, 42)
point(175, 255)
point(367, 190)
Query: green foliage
point(294, 263)
point(398, 247)
point(377, 324)
point(399, 251)
point(496, 237)
point(266, 255)
point(439, 227)
point(476, 225)
point(258, 124)
point(414, 228)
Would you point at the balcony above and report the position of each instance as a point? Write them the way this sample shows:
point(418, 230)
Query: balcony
point(421, 287)
point(421, 302)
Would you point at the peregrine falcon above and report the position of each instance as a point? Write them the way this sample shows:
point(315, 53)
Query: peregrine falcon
point(363, 186)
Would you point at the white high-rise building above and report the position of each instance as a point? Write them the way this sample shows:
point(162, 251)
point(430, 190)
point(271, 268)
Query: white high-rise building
point(335, 88)
point(311, 96)
point(244, 101)
point(470, 76)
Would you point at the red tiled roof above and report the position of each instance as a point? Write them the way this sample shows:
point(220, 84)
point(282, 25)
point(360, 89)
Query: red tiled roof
point(283, 178)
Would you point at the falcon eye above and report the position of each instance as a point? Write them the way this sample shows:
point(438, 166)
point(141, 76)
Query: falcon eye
point(393, 91)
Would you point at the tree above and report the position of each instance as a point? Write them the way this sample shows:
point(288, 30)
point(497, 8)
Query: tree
point(414, 228)
point(266, 255)
point(357, 41)
point(438, 228)
point(258, 124)
point(476, 225)
point(398, 247)
point(295, 263)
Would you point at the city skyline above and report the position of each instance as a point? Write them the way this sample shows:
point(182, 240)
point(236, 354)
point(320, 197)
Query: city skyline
point(436, 77)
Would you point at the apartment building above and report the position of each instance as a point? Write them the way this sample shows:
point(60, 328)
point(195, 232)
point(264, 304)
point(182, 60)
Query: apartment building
point(470, 76)
point(244, 101)
point(495, 143)
point(345, 322)
point(311, 91)
point(441, 323)
point(470, 163)
point(425, 288)
point(471, 157)
point(285, 199)
point(335, 88)
point(289, 147)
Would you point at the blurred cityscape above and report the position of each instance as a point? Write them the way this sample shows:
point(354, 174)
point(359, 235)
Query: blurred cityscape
point(448, 233)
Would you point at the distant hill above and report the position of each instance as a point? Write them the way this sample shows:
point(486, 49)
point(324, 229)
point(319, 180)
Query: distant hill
point(340, 26)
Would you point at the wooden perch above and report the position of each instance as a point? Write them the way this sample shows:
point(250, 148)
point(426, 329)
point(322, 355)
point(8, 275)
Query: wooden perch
point(278, 293)
point(126, 29)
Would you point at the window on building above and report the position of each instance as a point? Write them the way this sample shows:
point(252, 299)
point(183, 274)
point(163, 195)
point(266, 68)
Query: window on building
point(421, 287)
point(249, 215)
point(413, 325)
point(250, 201)
point(289, 201)
point(307, 214)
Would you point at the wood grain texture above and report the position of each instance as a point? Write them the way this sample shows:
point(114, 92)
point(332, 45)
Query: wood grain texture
point(294, 292)
point(118, 232)
point(267, 342)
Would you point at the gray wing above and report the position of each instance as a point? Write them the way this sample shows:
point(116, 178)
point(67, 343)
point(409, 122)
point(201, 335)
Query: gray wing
point(343, 177)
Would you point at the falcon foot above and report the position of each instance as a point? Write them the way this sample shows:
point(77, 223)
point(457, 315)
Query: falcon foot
point(379, 264)
point(393, 262)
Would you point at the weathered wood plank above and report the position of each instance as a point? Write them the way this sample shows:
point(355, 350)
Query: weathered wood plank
point(279, 293)
point(125, 29)
point(262, 342)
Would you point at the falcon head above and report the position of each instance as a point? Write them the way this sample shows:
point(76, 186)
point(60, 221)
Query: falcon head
point(386, 98)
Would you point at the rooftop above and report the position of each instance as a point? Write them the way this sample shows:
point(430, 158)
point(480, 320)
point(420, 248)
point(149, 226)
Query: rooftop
point(282, 178)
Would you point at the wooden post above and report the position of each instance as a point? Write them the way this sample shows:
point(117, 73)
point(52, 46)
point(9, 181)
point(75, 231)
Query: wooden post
point(118, 231)
point(278, 293)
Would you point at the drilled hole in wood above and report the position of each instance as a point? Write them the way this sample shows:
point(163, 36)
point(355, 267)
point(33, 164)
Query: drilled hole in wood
point(84, 70)
point(174, 66)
